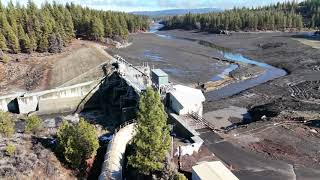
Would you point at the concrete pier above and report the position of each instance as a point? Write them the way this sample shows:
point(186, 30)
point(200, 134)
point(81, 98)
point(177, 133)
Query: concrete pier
point(9, 103)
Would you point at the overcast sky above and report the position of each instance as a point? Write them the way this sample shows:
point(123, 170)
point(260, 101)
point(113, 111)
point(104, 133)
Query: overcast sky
point(151, 5)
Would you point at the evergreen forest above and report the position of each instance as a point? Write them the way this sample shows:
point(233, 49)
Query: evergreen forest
point(289, 15)
point(28, 28)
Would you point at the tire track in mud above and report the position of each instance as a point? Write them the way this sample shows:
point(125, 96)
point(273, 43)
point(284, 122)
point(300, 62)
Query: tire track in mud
point(307, 91)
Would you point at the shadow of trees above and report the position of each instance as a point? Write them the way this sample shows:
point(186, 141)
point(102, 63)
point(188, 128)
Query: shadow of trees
point(95, 170)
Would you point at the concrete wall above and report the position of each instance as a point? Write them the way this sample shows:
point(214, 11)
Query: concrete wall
point(186, 131)
point(183, 127)
point(175, 105)
point(8, 103)
point(185, 109)
point(57, 100)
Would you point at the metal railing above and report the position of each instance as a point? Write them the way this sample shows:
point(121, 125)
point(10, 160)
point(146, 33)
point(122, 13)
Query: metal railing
point(137, 78)
point(132, 121)
point(122, 60)
point(201, 120)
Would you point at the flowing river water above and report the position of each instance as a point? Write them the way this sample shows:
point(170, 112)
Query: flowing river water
point(270, 72)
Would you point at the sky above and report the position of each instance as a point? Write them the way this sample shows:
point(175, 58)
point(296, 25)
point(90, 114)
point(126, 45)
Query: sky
point(152, 5)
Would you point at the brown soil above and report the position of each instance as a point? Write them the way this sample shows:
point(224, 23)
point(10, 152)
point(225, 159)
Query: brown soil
point(40, 71)
point(275, 149)
point(285, 137)
point(188, 161)
point(213, 85)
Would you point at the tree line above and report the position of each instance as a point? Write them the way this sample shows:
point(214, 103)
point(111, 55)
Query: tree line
point(308, 9)
point(281, 16)
point(48, 28)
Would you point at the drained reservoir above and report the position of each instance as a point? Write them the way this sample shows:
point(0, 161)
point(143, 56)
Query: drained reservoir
point(270, 72)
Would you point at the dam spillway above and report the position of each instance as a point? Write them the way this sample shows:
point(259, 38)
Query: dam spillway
point(120, 87)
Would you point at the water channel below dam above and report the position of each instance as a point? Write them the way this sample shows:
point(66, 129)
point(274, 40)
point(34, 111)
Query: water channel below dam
point(270, 72)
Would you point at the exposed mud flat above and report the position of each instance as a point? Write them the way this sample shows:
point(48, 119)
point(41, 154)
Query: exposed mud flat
point(297, 91)
point(299, 60)
point(277, 49)
point(185, 61)
point(278, 54)
point(172, 53)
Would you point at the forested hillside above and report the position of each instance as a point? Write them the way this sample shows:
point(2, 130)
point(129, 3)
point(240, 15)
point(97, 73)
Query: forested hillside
point(48, 28)
point(282, 16)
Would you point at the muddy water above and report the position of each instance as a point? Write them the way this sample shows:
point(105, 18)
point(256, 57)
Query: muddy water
point(225, 73)
point(152, 56)
point(239, 86)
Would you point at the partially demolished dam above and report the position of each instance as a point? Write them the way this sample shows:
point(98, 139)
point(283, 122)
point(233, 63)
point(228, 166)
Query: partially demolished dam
point(117, 94)
point(119, 87)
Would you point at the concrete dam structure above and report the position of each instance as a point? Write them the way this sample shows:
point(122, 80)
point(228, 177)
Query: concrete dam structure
point(57, 100)
point(117, 91)
point(9, 102)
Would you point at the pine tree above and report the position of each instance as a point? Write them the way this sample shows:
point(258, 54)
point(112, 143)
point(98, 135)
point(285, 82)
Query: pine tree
point(11, 16)
point(43, 44)
point(31, 28)
point(152, 140)
point(4, 57)
point(12, 41)
point(68, 25)
point(6, 124)
point(97, 29)
point(108, 28)
point(24, 40)
point(131, 25)
point(3, 42)
point(77, 142)
point(124, 34)
point(46, 30)
point(273, 17)
point(1, 6)
point(33, 42)
point(116, 28)
point(55, 43)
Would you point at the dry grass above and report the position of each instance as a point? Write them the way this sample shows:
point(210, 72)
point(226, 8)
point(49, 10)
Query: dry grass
point(40, 71)
point(213, 85)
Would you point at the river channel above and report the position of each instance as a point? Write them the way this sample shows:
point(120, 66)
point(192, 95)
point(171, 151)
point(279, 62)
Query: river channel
point(270, 72)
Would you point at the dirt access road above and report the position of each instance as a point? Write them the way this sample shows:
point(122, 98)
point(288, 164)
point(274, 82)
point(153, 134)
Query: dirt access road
point(37, 71)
